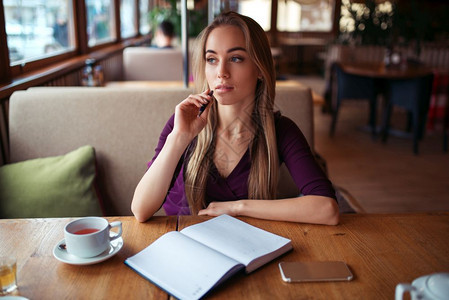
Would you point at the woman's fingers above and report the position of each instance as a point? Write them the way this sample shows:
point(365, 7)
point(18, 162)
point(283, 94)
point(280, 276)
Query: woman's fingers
point(196, 99)
point(187, 113)
point(195, 105)
point(200, 99)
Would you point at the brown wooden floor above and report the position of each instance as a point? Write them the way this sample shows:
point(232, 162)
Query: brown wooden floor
point(382, 177)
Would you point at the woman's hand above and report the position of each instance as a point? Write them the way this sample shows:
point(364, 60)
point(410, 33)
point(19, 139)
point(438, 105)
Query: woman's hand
point(187, 121)
point(218, 208)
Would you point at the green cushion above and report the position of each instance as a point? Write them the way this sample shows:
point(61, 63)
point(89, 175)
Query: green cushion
point(60, 186)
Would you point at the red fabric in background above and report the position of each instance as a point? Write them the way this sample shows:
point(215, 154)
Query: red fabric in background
point(438, 101)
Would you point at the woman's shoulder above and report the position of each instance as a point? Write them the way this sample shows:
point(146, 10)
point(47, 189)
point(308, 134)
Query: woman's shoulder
point(282, 122)
point(287, 131)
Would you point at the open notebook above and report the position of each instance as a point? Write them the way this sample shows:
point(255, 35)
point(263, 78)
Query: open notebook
point(188, 263)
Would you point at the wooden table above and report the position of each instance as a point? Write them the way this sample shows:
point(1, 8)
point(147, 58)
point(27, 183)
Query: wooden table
point(380, 71)
point(381, 251)
point(382, 76)
point(41, 276)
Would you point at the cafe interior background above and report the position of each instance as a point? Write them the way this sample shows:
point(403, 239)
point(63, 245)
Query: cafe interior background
point(52, 43)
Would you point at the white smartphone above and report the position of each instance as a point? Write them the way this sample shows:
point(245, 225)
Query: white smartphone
point(315, 271)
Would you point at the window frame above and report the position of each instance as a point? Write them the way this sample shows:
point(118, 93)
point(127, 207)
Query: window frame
point(8, 72)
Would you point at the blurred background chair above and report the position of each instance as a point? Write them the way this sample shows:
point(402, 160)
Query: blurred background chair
point(348, 86)
point(414, 96)
point(145, 63)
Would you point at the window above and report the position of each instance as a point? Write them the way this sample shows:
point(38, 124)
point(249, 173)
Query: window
point(259, 10)
point(128, 13)
point(100, 22)
point(362, 14)
point(367, 23)
point(144, 26)
point(38, 29)
point(39, 33)
point(305, 15)
point(292, 15)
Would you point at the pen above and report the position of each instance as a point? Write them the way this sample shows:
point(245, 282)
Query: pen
point(203, 107)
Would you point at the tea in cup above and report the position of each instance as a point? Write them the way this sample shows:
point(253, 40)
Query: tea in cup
point(8, 272)
point(90, 236)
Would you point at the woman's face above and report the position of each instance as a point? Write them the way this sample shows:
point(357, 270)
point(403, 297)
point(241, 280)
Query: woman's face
point(230, 72)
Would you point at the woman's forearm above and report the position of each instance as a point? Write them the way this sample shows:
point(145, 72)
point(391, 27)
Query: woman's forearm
point(153, 187)
point(306, 209)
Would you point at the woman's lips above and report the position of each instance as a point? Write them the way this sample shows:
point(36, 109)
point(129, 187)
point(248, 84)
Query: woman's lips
point(223, 88)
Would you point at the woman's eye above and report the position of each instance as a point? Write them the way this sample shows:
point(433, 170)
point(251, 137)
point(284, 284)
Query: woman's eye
point(236, 59)
point(210, 60)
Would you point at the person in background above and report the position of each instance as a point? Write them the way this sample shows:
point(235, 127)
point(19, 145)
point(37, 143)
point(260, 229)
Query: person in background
point(164, 35)
point(227, 159)
point(60, 32)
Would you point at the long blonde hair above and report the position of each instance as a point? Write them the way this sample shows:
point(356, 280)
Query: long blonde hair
point(263, 175)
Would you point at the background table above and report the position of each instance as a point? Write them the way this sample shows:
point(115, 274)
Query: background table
point(438, 114)
point(380, 71)
point(388, 83)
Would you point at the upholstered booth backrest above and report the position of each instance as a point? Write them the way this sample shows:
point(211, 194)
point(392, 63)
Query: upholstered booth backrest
point(296, 103)
point(123, 125)
point(144, 63)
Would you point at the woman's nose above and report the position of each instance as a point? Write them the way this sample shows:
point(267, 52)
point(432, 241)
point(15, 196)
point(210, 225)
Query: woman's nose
point(223, 71)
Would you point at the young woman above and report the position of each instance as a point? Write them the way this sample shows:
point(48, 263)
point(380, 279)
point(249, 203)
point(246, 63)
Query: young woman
point(226, 160)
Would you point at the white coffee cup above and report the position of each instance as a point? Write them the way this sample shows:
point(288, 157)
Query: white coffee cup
point(90, 236)
point(430, 287)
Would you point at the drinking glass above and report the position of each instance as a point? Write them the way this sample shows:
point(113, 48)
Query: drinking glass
point(8, 272)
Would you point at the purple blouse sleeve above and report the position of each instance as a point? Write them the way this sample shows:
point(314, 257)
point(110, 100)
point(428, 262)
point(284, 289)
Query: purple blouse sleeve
point(168, 128)
point(295, 152)
point(162, 138)
point(175, 202)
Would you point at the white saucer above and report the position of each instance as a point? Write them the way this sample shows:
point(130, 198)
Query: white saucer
point(65, 257)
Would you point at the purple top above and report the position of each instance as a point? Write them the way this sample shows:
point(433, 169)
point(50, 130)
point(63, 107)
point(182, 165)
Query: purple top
point(293, 150)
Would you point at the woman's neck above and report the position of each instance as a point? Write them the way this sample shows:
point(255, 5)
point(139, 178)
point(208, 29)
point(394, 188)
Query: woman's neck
point(234, 134)
point(233, 119)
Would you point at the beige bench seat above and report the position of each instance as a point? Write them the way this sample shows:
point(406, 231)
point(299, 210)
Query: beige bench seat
point(122, 124)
